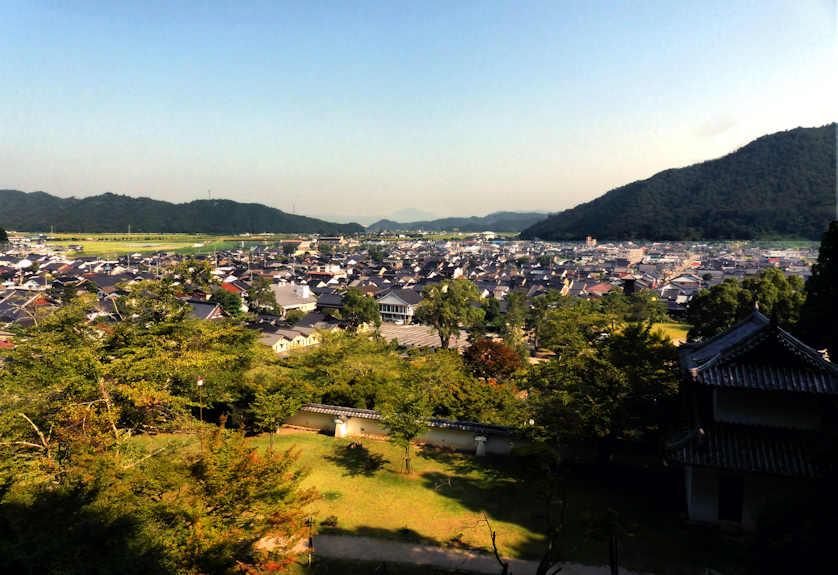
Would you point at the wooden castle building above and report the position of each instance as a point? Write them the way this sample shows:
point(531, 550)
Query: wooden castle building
point(756, 401)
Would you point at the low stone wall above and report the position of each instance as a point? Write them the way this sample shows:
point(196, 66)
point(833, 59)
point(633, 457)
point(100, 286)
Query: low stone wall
point(350, 423)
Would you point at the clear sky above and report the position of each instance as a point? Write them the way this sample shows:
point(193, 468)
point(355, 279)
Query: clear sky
point(360, 109)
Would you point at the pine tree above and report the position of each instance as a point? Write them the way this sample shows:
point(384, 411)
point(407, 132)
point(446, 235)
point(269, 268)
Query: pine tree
point(819, 316)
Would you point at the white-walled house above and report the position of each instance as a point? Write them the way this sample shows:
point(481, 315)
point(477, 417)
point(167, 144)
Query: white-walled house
point(398, 305)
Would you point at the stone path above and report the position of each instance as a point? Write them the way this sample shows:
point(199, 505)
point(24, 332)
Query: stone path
point(368, 549)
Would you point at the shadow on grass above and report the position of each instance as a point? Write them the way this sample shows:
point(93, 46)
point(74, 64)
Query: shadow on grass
point(357, 459)
point(403, 535)
point(63, 530)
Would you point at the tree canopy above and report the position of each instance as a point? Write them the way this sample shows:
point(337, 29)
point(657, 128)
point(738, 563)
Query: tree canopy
point(819, 316)
point(777, 296)
point(358, 309)
point(448, 305)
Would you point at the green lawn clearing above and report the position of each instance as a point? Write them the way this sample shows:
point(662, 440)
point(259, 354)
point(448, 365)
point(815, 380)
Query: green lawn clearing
point(442, 503)
point(677, 332)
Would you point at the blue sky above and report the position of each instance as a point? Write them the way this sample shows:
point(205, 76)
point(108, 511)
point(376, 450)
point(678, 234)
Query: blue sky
point(359, 109)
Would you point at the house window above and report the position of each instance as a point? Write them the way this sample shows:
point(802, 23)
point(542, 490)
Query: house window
point(731, 497)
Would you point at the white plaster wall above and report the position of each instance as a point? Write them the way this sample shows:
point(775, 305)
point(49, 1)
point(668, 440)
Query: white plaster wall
point(462, 440)
point(356, 426)
point(320, 421)
point(359, 426)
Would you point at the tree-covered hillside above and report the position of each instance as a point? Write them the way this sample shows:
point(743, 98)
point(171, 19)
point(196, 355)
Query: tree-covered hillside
point(39, 211)
point(780, 185)
point(504, 222)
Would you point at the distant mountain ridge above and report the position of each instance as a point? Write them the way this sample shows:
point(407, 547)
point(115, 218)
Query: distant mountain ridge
point(503, 222)
point(107, 213)
point(779, 185)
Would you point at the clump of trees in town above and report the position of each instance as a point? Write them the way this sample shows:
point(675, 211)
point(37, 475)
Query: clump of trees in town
point(777, 296)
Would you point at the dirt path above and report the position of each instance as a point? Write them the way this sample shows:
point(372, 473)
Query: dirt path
point(368, 549)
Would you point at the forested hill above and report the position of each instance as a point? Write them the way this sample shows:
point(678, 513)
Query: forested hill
point(780, 185)
point(38, 211)
point(504, 222)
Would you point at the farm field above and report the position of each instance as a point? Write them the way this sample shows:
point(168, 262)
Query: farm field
point(121, 244)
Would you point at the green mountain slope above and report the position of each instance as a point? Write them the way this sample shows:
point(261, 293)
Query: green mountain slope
point(511, 222)
point(38, 211)
point(780, 185)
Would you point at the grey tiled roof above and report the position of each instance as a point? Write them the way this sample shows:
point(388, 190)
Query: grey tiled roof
point(749, 449)
point(769, 377)
point(725, 360)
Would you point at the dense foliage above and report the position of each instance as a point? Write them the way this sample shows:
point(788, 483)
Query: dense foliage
point(80, 479)
point(3, 236)
point(449, 305)
point(359, 309)
point(777, 296)
point(782, 184)
point(503, 222)
point(604, 387)
point(39, 211)
point(819, 316)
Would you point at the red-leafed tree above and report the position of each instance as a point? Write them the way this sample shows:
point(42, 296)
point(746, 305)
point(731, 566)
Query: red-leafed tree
point(492, 359)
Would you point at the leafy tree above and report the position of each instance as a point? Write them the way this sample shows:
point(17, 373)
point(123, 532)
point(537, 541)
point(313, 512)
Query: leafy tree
point(230, 302)
point(645, 306)
point(620, 389)
point(292, 316)
point(491, 313)
point(289, 248)
point(277, 397)
point(359, 308)
point(454, 393)
point(492, 359)
point(4, 238)
point(819, 315)
point(714, 310)
point(514, 321)
point(545, 260)
point(405, 415)
point(778, 296)
point(377, 254)
point(447, 305)
point(260, 294)
point(325, 248)
point(195, 273)
point(574, 325)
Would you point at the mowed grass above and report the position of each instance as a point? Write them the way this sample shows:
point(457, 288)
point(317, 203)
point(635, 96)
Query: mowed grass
point(442, 503)
point(677, 332)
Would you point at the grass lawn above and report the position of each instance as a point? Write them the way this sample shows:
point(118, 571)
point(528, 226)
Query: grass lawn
point(677, 332)
point(442, 502)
